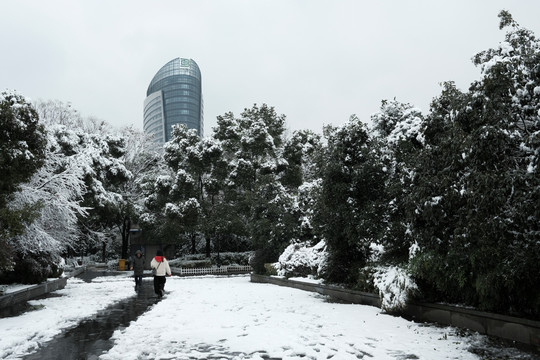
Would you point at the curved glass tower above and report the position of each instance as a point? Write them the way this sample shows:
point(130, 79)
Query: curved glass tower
point(174, 96)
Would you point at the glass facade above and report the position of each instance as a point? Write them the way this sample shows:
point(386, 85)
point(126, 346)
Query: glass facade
point(174, 96)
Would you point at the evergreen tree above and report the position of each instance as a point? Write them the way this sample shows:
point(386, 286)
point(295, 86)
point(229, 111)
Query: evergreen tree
point(22, 148)
point(253, 148)
point(475, 205)
point(304, 154)
point(351, 199)
point(399, 128)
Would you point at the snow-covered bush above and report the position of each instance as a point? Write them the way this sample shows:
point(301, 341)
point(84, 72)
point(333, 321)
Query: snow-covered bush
point(376, 252)
point(301, 259)
point(394, 285)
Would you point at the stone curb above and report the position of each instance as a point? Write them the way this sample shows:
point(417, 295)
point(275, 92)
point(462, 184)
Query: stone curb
point(34, 291)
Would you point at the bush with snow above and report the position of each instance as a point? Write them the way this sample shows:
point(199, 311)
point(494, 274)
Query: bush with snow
point(394, 285)
point(302, 260)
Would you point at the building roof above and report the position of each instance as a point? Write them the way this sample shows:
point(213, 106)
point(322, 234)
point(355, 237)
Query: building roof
point(178, 66)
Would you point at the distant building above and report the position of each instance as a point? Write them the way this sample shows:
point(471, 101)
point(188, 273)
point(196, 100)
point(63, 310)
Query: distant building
point(174, 96)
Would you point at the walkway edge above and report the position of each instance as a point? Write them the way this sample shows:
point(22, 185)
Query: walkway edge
point(34, 291)
point(510, 328)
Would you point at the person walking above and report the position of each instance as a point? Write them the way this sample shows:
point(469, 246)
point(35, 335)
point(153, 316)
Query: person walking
point(137, 265)
point(160, 268)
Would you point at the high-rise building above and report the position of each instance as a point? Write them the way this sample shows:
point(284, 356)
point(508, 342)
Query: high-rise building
point(174, 96)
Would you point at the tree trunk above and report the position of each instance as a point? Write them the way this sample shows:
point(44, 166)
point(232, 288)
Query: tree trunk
point(207, 246)
point(193, 244)
point(125, 236)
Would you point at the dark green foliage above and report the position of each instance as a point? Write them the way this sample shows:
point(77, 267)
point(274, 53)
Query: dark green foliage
point(462, 185)
point(474, 205)
point(399, 131)
point(22, 145)
point(261, 257)
point(351, 201)
point(32, 269)
point(13, 223)
point(226, 187)
point(254, 194)
point(303, 153)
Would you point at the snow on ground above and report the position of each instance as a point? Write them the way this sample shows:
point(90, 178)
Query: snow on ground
point(14, 287)
point(23, 333)
point(232, 318)
point(310, 279)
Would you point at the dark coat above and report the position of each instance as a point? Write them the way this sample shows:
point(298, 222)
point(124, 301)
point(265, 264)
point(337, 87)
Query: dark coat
point(138, 265)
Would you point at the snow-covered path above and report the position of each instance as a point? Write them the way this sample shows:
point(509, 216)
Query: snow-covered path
point(22, 334)
point(232, 318)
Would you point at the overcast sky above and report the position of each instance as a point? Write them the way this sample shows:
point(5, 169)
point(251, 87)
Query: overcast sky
point(315, 61)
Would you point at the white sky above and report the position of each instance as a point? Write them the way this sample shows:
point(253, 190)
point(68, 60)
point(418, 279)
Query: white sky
point(316, 61)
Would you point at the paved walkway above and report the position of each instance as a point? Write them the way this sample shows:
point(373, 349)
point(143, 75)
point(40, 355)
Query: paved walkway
point(92, 337)
point(231, 318)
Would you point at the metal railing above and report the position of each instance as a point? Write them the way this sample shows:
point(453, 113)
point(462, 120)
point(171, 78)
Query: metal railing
point(214, 270)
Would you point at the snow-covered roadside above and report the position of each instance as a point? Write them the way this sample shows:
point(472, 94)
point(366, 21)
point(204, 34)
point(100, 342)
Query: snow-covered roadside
point(8, 289)
point(80, 300)
point(232, 318)
point(11, 288)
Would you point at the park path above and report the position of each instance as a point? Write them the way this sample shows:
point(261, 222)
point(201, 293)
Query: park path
point(231, 318)
point(91, 337)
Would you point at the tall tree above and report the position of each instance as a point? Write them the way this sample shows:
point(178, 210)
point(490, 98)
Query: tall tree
point(22, 153)
point(400, 129)
point(353, 192)
point(304, 155)
point(253, 147)
point(141, 157)
point(99, 153)
point(56, 190)
point(475, 206)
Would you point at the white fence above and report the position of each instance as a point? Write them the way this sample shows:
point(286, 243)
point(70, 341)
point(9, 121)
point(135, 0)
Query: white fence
point(214, 270)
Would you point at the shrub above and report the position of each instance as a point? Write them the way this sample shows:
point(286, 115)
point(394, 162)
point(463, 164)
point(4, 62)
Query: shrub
point(394, 285)
point(302, 260)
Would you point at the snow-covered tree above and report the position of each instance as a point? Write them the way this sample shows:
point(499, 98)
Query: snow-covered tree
point(352, 199)
point(475, 204)
point(302, 178)
point(141, 158)
point(22, 152)
point(94, 147)
point(253, 147)
point(184, 155)
point(399, 129)
point(57, 191)
point(183, 195)
point(303, 152)
point(60, 113)
point(227, 187)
